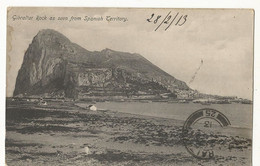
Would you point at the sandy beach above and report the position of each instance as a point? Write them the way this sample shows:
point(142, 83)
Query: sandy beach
point(62, 133)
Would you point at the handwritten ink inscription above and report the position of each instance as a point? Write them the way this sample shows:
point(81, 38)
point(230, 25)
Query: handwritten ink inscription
point(177, 19)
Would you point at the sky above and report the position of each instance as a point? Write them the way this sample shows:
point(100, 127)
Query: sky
point(214, 45)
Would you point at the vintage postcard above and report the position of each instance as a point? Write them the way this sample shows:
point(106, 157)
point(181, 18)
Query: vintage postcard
point(129, 86)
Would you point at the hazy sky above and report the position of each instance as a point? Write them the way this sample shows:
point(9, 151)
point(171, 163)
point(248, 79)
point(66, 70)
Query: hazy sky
point(223, 39)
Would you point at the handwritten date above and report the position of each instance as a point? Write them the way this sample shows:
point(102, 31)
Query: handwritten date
point(168, 20)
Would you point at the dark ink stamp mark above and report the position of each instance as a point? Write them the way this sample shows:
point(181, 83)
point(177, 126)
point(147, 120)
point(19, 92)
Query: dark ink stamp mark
point(201, 132)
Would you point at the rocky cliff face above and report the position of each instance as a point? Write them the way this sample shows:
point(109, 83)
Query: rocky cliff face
point(56, 67)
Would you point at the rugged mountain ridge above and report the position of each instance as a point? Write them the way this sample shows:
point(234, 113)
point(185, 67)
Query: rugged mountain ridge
point(56, 67)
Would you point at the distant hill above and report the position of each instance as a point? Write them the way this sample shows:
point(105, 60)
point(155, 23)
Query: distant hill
point(54, 66)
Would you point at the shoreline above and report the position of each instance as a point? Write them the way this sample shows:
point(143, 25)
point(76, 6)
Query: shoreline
point(112, 138)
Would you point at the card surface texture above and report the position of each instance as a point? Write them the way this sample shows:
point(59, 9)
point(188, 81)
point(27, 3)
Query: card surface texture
point(129, 86)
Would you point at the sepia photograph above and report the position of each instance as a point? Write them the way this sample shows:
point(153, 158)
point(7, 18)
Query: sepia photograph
point(129, 86)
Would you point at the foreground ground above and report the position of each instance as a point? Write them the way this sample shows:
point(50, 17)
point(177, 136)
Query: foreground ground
point(66, 134)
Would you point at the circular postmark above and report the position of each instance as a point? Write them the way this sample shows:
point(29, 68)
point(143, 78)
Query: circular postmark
point(201, 133)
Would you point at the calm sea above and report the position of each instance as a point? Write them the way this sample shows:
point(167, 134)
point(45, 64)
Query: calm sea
point(240, 115)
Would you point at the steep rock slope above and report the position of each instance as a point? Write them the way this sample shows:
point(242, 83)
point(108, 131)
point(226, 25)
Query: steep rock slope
point(54, 66)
